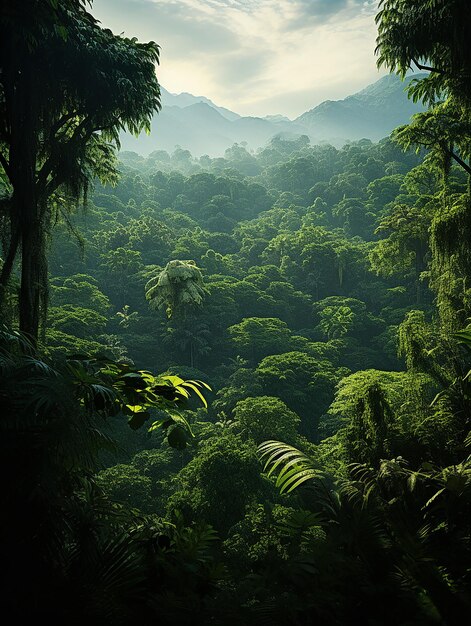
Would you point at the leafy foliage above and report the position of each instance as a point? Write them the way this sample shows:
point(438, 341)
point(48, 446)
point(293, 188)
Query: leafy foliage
point(178, 287)
point(57, 135)
point(294, 467)
point(332, 323)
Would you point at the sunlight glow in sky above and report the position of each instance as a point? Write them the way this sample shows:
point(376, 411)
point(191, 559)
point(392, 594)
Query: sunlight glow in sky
point(255, 57)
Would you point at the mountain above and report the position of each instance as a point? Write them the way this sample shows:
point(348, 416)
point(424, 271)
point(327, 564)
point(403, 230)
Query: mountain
point(372, 113)
point(183, 100)
point(202, 129)
point(197, 124)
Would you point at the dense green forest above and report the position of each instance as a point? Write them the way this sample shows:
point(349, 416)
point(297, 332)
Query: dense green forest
point(234, 389)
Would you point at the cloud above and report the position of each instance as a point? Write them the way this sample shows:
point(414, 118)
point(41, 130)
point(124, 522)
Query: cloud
point(255, 56)
point(242, 67)
point(318, 8)
point(308, 14)
point(180, 25)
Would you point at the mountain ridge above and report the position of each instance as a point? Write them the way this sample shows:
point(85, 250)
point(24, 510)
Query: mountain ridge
point(197, 124)
point(376, 110)
point(185, 99)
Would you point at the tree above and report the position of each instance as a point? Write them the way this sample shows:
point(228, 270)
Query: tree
point(257, 337)
point(338, 316)
point(304, 383)
point(80, 290)
point(76, 320)
point(354, 217)
point(445, 131)
point(57, 135)
point(406, 245)
point(189, 336)
point(179, 287)
point(385, 519)
point(120, 267)
point(219, 482)
point(436, 41)
point(416, 33)
point(336, 321)
point(266, 417)
point(241, 384)
point(125, 483)
point(384, 190)
point(431, 36)
point(63, 534)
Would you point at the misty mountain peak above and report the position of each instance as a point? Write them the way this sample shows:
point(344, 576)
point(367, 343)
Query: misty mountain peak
point(199, 125)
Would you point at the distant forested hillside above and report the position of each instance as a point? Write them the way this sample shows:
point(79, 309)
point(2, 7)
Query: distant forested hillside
point(373, 112)
point(277, 236)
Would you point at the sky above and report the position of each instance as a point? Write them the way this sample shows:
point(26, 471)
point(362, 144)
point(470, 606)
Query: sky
point(255, 57)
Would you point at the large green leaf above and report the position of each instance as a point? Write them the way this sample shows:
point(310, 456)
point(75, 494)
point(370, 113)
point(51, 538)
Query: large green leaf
point(293, 467)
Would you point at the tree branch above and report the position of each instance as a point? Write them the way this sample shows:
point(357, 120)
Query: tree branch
point(63, 120)
point(80, 135)
point(6, 166)
point(427, 67)
point(464, 165)
point(9, 260)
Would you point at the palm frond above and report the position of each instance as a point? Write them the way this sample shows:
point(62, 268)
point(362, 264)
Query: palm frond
point(293, 466)
point(112, 573)
point(297, 522)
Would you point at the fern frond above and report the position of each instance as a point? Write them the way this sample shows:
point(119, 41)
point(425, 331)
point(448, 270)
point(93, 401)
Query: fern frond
point(293, 466)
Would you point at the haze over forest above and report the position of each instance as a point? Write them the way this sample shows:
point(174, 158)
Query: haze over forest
point(200, 126)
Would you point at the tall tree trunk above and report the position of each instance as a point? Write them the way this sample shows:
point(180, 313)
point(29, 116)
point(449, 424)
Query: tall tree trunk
point(32, 284)
point(10, 257)
point(25, 216)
